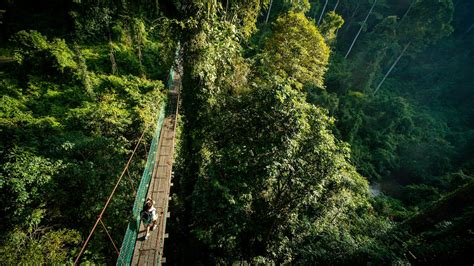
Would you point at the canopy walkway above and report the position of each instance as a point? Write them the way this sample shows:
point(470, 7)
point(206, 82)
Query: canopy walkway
point(155, 183)
point(150, 252)
point(135, 249)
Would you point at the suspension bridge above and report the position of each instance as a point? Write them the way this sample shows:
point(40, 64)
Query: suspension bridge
point(155, 183)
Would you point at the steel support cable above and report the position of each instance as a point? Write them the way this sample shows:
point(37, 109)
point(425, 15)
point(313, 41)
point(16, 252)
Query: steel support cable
point(110, 237)
point(109, 198)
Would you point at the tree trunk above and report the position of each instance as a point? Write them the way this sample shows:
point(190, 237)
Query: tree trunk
point(157, 7)
point(360, 29)
point(351, 18)
point(322, 12)
point(334, 10)
point(392, 67)
point(335, 7)
point(268, 13)
point(111, 54)
point(467, 31)
point(408, 11)
point(83, 73)
point(139, 55)
point(112, 60)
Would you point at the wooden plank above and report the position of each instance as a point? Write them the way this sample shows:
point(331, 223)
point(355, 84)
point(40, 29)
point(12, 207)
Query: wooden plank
point(150, 251)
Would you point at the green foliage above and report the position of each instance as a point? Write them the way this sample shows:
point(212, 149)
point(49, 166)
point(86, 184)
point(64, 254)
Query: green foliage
point(65, 126)
point(423, 24)
point(92, 23)
point(296, 51)
point(107, 118)
point(443, 225)
point(428, 21)
point(229, 161)
point(243, 14)
point(298, 6)
point(271, 187)
point(380, 139)
point(331, 23)
point(141, 48)
point(40, 245)
point(35, 53)
point(126, 59)
point(24, 180)
point(219, 61)
point(264, 174)
point(281, 7)
point(31, 243)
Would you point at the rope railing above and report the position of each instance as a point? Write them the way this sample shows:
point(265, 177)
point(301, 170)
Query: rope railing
point(110, 237)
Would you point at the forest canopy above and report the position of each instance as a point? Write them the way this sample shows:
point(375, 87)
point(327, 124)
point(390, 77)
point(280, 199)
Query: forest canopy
point(310, 131)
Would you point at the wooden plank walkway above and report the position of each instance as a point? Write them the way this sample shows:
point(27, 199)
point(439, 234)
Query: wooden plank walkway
point(150, 251)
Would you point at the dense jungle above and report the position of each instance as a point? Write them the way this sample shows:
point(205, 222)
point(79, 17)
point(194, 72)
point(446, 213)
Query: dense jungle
point(311, 132)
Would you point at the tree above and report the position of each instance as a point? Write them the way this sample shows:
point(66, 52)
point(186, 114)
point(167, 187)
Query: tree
point(31, 243)
point(257, 190)
point(444, 224)
point(268, 12)
point(24, 180)
point(34, 53)
point(391, 67)
point(322, 11)
point(429, 21)
point(335, 6)
point(260, 164)
point(331, 24)
point(296, 50)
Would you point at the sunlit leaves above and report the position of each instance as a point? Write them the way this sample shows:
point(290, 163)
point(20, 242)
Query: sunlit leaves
point(270, 158)
point(296, 51)
point(61, 145)
point(40, 245)
point(24, 179)
point(330, 24)
point(34, 51)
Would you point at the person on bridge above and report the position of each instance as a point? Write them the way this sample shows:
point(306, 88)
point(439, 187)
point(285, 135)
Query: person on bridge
point(149, 216)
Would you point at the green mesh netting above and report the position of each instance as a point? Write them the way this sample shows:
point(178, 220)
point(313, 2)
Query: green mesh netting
point(128, 243)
